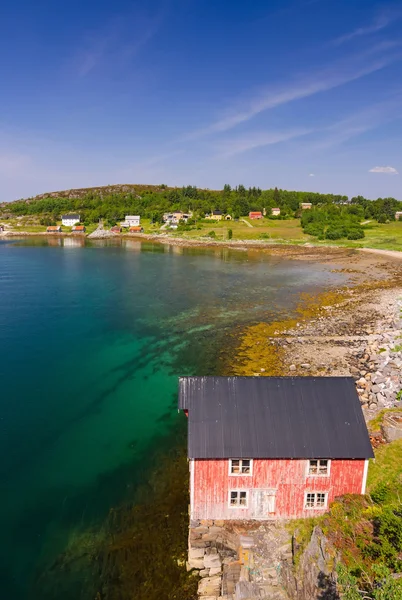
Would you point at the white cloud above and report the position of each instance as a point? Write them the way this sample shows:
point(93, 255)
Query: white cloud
point(388, 170)
point(336, 75)
point(380, 22)
point(256, 140)
point(311, 175)
point(118, 42)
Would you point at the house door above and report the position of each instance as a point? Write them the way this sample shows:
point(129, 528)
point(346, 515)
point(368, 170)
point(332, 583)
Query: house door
point(264, 503)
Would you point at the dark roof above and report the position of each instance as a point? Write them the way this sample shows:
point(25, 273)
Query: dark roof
point(70, 216)
point(217, 212)
point(274, 417)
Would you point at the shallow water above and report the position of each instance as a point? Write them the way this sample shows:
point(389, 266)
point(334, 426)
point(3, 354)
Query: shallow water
point(92, 340)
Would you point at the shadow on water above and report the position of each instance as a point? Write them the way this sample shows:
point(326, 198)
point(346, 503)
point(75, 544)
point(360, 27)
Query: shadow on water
point(129, 549)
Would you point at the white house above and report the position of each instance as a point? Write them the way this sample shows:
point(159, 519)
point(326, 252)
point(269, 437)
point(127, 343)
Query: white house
point(70, 220)
point(132, 220)
point(398, 215)
point(275, 212)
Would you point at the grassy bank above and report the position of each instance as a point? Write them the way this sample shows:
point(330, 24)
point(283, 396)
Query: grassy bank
point(365, 532)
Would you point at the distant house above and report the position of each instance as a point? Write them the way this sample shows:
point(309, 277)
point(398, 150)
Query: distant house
point(78, 229)
point(137, 229)
point(132, 221)
point(115, 229)
point(275, 212)
point(272, 447)
point(255, 215)
point(53, 229)
point(398, 215)
point(70, 219)
point(305, 205)
point(228, 217)
point(215, 215)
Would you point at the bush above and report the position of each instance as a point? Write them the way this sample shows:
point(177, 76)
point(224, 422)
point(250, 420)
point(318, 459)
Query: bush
point(382, 219)
point(314, 229)
point(212, 234)
point(355, 234)
point(230, 234)
point(333, 234)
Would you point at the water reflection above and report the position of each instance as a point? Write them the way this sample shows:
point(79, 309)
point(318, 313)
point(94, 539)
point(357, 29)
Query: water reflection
point(54, 241)
point(74, 242)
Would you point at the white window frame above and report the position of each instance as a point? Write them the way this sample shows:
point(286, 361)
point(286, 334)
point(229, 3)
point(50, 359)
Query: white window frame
point(315, 507)
point(238, 506)
point(240, 464)
point(327, 474)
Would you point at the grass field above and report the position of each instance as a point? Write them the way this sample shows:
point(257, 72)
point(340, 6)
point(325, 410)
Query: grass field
point(265, 229)
point(382, 236)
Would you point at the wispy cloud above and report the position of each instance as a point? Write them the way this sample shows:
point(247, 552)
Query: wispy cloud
point(118, 42)
point(258, 139)
point(386, 170)
point(311, 175)
point(380, 22)
point(336, 75)
point(359, 123)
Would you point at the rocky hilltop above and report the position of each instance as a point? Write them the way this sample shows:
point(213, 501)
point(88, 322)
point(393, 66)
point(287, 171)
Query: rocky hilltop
point(105, 190)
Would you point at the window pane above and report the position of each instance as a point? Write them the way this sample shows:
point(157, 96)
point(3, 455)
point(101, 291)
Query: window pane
point(245, 466)
point(323, 467)
point(233, 497)
point(235, 466)
point(320, 499)
point(313, 467)
point(310, 499)
point(243, 498)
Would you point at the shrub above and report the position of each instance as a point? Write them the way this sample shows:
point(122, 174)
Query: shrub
point(382, 218)
point(381, 493)
point(333, 234)
point(230, 234)
point(355, 234)
point(212, 234)
point(314, 229)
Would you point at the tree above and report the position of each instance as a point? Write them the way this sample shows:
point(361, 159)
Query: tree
point(277, 197)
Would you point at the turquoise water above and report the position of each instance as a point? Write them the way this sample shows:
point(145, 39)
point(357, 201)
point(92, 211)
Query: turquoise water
point(92, 340)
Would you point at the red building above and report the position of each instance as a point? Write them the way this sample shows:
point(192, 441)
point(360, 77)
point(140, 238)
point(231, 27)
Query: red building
point(272, 447)
point(255, 215)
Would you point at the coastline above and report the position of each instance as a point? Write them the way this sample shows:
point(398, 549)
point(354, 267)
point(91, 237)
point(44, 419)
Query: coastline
point(286, 247)
point(354, 331)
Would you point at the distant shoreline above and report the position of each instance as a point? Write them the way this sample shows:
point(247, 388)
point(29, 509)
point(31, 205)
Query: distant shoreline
point(279, 248)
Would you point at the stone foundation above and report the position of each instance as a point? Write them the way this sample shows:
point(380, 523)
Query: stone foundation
point(238, 561)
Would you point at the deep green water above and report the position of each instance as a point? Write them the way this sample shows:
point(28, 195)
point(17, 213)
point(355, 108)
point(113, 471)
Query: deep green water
point(92, 340)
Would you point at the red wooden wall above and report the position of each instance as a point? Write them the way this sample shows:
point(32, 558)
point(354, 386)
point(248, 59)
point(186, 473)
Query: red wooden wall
point(210, 484)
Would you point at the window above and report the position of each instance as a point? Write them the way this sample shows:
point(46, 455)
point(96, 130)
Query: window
point(318, 467)
point(316, 500)
point(240, 466)
point(238, 498)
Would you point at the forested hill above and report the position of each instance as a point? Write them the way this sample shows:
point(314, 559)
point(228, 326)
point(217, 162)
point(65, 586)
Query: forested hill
point(115, 201)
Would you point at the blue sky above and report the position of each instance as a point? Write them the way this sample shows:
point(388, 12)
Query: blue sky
point(299, 94)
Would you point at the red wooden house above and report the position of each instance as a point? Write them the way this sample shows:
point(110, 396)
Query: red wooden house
point(272, 447)
point(255, 215)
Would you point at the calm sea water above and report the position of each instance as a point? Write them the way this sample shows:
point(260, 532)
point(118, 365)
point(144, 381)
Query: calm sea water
point(92, 340)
